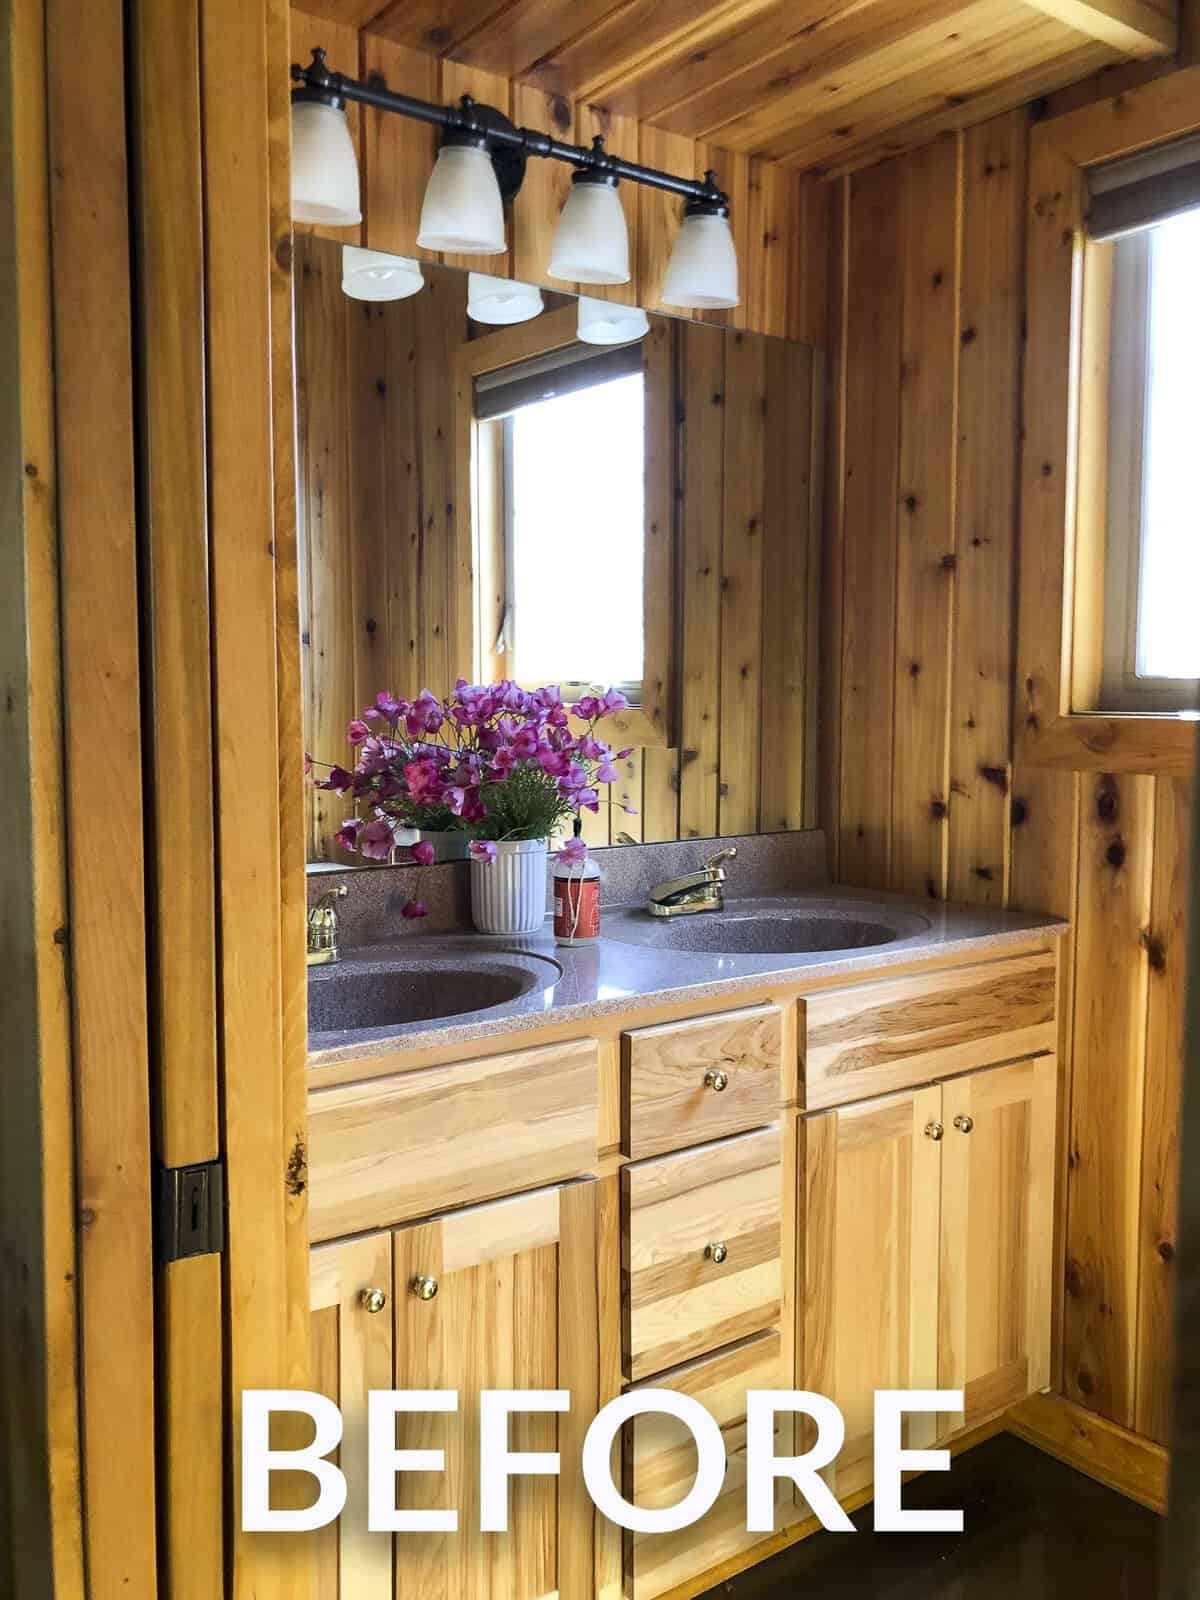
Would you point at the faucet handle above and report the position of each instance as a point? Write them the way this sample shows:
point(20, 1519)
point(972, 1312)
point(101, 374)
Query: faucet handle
point(714, 862)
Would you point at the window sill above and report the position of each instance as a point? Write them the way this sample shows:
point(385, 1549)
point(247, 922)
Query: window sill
point(1093, 742)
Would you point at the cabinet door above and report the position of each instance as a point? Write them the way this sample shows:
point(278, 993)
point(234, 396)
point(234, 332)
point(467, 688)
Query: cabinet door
point(501, 1296)
point(997, 1234)
point(869, 1318)
point(351, 1303)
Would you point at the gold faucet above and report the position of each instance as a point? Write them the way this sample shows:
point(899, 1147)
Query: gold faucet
point(323, 928)
point(694, 891)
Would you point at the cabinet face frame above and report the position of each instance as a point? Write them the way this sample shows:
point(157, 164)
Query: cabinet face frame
point(1055, 627)
point(351, 1354)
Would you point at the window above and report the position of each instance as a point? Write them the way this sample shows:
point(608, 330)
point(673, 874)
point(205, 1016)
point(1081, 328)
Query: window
point(567, 436)
point(1142, 276)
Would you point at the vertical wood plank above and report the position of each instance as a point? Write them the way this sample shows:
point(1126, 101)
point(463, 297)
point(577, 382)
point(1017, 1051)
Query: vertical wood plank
point(838, 313)
point(290, 710)
point(659, 576)
point(1043, 852)
point(788, 562)
point(1100, 1324)
point(703, 386)
point(814, 226)
point(93, 335)
point(168, 238)
point(925, 545)
point(398, 154)
point(329, 568)
point(659, 214)
point(41, 1542)
point(869, 499)
point(366, 526)
point(981, 665)
point(743, 512)
point(773, 196)
point(257, 1098)
point(1046, 500)
point(545, 189)
point(403, 497)
point(442, 582)
point(1165, 944)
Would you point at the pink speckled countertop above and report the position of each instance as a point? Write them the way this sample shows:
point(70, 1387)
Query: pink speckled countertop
point(619, 975)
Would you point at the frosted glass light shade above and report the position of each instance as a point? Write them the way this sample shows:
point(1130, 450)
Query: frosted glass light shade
point(591, 242)
point(703, 271)
point(324, 167)
point(463, 211)
point(501, 300)
point(604, 322)
point(372, 275)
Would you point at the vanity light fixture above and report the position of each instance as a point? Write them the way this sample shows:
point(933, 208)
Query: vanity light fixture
point(324, 167)
point(500, 301)
point(372, 275)
point(702, 273)
point(463, 211)
point(591, 241)
point(481, 165)
point(607, 322)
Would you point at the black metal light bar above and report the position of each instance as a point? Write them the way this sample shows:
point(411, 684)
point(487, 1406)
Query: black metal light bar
point(508, 144)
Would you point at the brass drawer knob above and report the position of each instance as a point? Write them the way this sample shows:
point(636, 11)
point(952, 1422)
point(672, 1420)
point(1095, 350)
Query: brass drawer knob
point(934, 1131)
point(716, 1081)
point(963, 1122)
point(716, 1251)
point(424, 1288)
point(373, 1299)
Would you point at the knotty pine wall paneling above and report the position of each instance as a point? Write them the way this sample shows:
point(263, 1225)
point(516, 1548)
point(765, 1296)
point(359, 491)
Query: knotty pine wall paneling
point(922, 552)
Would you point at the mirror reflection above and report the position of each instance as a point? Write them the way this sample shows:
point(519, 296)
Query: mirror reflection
point(501, 481)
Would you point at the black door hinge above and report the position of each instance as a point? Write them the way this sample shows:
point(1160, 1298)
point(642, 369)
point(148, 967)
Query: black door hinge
point(189, 1211)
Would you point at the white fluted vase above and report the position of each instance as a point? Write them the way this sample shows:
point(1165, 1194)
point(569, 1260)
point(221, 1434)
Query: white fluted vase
point(508, 895)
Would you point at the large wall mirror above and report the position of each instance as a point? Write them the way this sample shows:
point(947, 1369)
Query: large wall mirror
point(499, 481)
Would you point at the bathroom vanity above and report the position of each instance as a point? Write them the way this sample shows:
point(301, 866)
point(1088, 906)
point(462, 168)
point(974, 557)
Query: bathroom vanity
point(680, 1166)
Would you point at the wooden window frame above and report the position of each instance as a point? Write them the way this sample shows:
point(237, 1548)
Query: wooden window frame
point(1064, 473)
point(481, 539)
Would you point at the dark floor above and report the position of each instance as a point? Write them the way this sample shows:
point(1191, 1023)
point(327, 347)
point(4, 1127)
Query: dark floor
point(1032, 1530)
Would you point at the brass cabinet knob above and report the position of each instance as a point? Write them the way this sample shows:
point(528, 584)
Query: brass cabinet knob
point(373, 1299)
point(963, 1122)
point(716, 1251)
point(424, 1288)
point(716, 1081)
point(934, 1131)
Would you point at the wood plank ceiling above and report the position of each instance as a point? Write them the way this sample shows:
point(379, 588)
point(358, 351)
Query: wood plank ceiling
point(814, 84)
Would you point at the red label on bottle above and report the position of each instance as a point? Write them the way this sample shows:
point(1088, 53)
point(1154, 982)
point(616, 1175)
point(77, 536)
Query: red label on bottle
point(576, 908)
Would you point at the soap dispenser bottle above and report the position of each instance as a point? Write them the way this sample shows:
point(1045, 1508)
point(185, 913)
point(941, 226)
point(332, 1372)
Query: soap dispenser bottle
point(576, 900)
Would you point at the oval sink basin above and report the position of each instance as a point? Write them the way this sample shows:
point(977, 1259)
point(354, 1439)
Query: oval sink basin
point(767, 929)
point(389, 991)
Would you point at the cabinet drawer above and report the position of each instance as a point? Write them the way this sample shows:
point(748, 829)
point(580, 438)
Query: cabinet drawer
point(402, 1147)
point(672, 1078)
point(683, 1295)
point(659, 1467)
point(890, 1034)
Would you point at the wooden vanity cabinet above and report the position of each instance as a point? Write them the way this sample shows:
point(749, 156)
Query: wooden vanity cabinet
point(499, 1296)
point(928, 1229)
